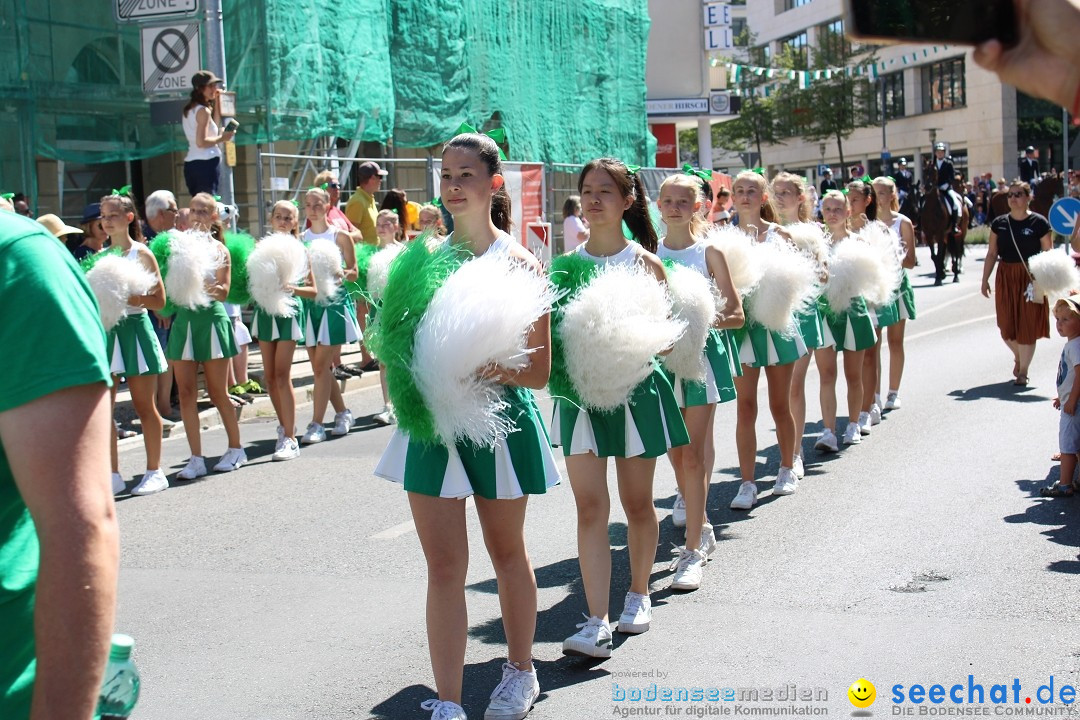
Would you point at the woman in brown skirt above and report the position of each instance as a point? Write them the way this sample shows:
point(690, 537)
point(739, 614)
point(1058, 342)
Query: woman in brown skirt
point(1014, 238)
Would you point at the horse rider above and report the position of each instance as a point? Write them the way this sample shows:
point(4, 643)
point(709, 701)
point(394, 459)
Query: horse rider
point(1029, 166)
point(946, 177)
point(904, 179)
point(828, 183)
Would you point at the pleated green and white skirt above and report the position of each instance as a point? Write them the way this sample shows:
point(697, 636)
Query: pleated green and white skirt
point(906, 301)
point(201, 335)
point(134, 348)
point(519, 464)
point(812, 327)
point(274, 328)
point(647, 426)
point(719, 384)
point(333, 324)
point(761, 347)
point(854, 328)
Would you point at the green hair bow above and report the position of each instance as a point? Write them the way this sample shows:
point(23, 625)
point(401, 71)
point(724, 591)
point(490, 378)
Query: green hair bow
point(126, 190)
point(632, 169)
point(7, 196)
point(697, 172)
point(325, 186)
point(759, 170)
point(867, 179)
point(497, 134)
point(217, 198)
point(437, 202)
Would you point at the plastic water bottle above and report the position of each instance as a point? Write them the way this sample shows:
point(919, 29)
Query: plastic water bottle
point(120, 690)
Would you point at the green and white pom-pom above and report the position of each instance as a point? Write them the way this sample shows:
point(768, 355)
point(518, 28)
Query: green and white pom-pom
point(277, 261)
point(569, 273)
point(114, 279)
point(357, 288)
point(1055, 274)
point(854, 271)
point(190, 258)
point(810, 238)
point(87, 263)
point(738, 250)
point(788, 285)
point(694, 302)
point(890, 273)
point(240, 246)
point(326, 262)
point(379, 269)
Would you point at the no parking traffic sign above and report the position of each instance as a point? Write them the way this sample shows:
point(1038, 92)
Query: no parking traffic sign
point(171, 54)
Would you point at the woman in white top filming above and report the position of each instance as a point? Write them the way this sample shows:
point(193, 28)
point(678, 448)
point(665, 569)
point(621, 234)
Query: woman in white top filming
point(202, 127)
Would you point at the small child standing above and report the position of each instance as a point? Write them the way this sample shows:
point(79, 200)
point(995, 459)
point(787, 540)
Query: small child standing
point(1067, 318)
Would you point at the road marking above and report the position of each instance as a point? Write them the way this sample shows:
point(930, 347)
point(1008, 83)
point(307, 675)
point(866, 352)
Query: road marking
point(917, 336)
point(407, 527)
point(946, 304)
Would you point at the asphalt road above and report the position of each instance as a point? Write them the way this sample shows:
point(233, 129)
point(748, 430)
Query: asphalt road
point(922, 556)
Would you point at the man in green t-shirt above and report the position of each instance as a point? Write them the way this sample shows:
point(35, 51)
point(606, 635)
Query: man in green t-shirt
point(58, 538)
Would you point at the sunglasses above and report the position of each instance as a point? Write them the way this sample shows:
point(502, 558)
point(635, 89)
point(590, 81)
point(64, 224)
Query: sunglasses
point(1017, 194)
point(333, 185)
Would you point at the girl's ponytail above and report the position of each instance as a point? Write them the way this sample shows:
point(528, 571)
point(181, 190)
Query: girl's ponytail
point(637, 217)
point(501, 209)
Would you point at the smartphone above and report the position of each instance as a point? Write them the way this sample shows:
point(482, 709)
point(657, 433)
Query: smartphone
point(231, 125)
point(963, 22)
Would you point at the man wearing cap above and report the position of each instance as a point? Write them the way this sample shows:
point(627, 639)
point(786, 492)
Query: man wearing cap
point(828, 183)
point(202, 128)
point(904, 180)
point(361, 209)
point(1029, 166)
point(946, 176)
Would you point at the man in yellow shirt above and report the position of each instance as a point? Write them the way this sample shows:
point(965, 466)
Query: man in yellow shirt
point(361, 209)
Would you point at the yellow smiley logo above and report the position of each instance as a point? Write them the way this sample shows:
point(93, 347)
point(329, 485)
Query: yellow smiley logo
point(862, 693)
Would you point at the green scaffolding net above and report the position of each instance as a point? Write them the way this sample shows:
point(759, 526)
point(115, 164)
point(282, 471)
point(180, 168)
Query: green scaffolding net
point(567, 80)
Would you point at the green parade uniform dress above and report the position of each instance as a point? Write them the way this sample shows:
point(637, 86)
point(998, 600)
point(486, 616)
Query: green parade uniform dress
point(519, 464)
point(903, 307)
point(132, 345)
point(719, 383)
point(335, 322)
point(854, 328)
point(647, 425)
point(760, 347)
point(201, 334)
point(275, 328)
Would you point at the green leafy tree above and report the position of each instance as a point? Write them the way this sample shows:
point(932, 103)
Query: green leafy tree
point(756, 123)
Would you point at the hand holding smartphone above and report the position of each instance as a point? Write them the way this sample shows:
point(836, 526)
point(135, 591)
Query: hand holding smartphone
point(964, 22)
point(231, 125)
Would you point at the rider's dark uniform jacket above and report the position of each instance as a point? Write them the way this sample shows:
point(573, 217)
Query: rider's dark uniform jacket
point(903, 179)
point(946, 176)
point(1029, 169)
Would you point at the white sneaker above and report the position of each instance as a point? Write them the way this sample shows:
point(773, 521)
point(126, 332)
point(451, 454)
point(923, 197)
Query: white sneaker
point(514, 696)
point(636, 614)
point(688, 569)
point(827, 441)
point(386, 417)
point(875, 414)
point(798, 468)
point(708, 540)
point(892, 402)
point(233, 459)
point(747, 497)
point(864, 423)
point(196, 467)
point(343, 422)
point(315, 433)
point(786, 482)
point(852, 436)
point(289, 450)
point(444, 710)
point(592, 640)
point(280, 439)
point(118, 484)
point(678, 511)
point(153, 481)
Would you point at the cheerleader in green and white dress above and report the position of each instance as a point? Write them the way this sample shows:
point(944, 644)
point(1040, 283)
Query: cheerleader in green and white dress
point(329, 326)
point(680, 205)
point(278, 337)
point(500, 479)
point(792, 202)
point(901, 226)
point(854, 332)
point(133, 348)
point(636, 434)
point(204, 336)
point(762, 348)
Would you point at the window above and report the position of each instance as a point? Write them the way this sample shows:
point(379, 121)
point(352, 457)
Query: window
point(761, 55)
point(831, 40)
point(739, 31)
point(796, 45)
point(792, 4)
point(943, 85)
point(894, 97)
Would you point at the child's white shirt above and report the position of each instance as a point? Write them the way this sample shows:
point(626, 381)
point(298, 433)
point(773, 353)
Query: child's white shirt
point(1066, 374)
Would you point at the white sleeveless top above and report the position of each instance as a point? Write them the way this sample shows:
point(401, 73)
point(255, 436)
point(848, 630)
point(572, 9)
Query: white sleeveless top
point(132, 255)
point(626, 256)
point(500, 246)
point(189, 123)
point(693, 256)
point(330, 234)
point(901, 251)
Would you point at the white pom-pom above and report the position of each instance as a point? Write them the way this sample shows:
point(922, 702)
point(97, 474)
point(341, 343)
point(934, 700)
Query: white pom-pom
point(887, 247)
point(738, 250)
point(854, 271)
point(694, 302)
point(612, 329)
point(379, 269)
point(480, 316)
point(114, 279)
point(1055, 274)
point(810, 238)
point(789, 283)
point(326, 262)
point(278, 260)
point(194, 258)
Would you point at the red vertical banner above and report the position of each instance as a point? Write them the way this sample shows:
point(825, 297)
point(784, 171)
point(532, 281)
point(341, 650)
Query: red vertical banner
point(667, 145)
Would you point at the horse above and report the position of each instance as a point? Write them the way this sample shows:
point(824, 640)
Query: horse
point(1042, 197)
point(934, 225)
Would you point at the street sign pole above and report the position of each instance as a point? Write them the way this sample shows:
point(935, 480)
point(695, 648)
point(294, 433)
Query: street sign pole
point(215, 60)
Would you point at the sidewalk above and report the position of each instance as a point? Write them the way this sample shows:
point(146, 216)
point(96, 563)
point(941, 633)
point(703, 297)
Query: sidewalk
point(303, 384)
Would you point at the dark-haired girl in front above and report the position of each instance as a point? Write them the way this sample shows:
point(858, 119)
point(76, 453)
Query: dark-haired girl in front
point(635, 435)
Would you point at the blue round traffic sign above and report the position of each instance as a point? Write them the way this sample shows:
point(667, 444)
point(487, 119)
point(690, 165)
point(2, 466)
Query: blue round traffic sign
point(1063, 215)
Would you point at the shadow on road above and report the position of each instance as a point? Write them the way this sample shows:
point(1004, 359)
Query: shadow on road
point(1059, 514)
point(1000, 391)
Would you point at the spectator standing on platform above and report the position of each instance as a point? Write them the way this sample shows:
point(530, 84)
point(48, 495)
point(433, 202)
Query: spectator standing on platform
point(202, 128)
